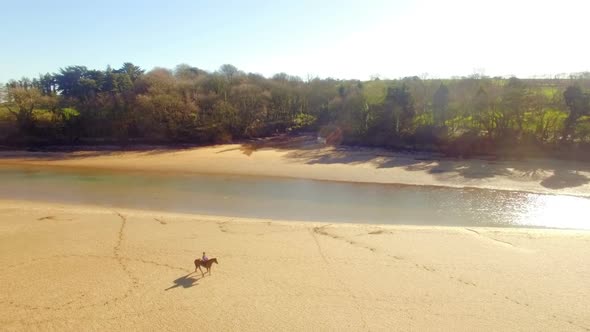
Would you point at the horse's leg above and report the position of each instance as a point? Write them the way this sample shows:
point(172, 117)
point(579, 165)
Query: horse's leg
point(202, 274)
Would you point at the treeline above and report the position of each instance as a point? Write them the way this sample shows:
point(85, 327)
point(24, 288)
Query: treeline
point(463, 116)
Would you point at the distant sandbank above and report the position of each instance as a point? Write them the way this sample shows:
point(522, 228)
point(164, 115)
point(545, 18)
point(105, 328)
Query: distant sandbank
point(303, 158)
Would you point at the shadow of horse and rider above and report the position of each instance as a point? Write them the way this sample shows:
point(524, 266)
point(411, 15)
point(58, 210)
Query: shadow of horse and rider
point(189, 280)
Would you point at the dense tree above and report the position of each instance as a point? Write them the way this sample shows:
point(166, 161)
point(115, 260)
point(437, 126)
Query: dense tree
point(481, 109)
point(440, 105)
point(47, 84)
point(400, 107)
point(132, 71)
point(229, 72)
point(191, 105)
point(21, 104)
point(73, 82)
point(578, 104)
point(514, 106)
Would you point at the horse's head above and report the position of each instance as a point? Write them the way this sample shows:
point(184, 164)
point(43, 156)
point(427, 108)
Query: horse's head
point(214, 260)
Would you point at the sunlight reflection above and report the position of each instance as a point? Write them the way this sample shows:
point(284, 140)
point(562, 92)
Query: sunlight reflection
point(555, 211)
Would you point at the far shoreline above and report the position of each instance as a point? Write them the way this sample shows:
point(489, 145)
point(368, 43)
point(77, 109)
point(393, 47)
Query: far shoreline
point(303, 158)
point(124, 171)
point(289, 139)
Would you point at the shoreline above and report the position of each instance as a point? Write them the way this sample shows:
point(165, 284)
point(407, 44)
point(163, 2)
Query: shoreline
point(45, 204)
point(305, 160)
point(40, 205)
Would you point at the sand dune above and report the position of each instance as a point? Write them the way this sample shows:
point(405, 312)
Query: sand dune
point(87, 268)
point(302, 158)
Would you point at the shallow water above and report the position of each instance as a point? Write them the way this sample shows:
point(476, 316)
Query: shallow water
point(295, 199)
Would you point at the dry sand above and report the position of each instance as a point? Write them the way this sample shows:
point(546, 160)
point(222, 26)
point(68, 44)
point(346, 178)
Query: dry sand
point(86, 268)
point(302, 158)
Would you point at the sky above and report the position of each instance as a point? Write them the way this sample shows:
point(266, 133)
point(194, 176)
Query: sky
point(308, 38)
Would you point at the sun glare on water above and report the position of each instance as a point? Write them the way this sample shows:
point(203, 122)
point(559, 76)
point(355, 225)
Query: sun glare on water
point(556, 211)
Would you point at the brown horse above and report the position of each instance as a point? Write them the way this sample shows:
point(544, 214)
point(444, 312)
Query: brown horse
point(207, 265)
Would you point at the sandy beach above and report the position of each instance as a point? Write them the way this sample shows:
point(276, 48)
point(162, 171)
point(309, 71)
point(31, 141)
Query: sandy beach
point(303, 158)
point(77, 267)
point(88, 268)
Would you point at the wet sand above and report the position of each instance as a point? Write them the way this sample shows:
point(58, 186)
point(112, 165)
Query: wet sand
point(88, 268)
point(303, 158)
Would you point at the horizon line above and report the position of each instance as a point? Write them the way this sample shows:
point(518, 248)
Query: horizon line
point(478, 73)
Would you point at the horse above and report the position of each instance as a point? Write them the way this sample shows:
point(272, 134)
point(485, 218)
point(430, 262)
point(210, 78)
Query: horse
point(207, 265)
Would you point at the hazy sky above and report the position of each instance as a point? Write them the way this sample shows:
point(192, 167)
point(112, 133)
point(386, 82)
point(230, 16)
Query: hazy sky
point(337, 38)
